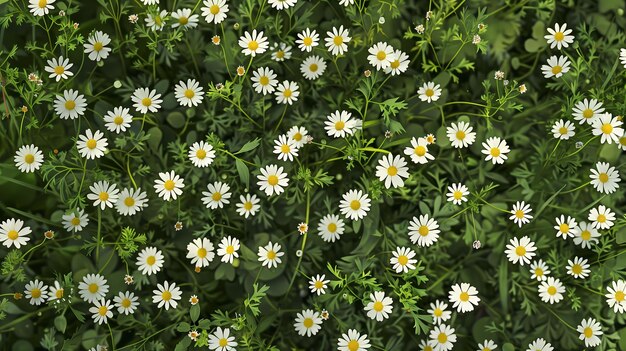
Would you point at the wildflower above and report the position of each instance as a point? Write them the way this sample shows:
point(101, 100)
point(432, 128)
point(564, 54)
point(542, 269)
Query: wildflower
point(420, 29)
point(75, 221)
point(193, 335)
point(418, 151)
point(272, 180)
point(337, 40)
point(282, 4)
point(133, 18)
point(565, 228)
point(166, 295)
point(520, 214)
point(28, 158)
point(307, 323)
point(313, 67)
point(56, 292)
point(540, 345)
point(339, 123)
point(71, 105)
point(590, 330)
point(156, 21)
point(36, 291)
point(128, 279)
point(551, 290)
point(578, 268)
point(214, 11)
point(605, 178)
point(264, 80)
point(391, 170)
point(96, 46)
point(463, 297)
point(442, 337)
point(285, 148)
point(616, 298)
point(227, 249)
point(539, 270)
point(49, 234)
point(303, 228)
point(189, 94)
point(184, 19)
point(193, 300)
point(178, 226)
point(270, 254)
point(40, 7)
point(602, 217)
point(248, 205)
point(298, 135)
point(608, 127)
point(126, 302)
point(146, 100)
point(101, 311)
point(423, 231)
point(93, 288)
point(169, 186)
point(585, 235)
point(150, 260)
point(318, 285)
point(281, 52)
point(559, 36)
point(563, 130)
point(496, 150)
point(216, 40)
point(476, 39)
point(103, 194)
point(457, 193)
point(379, 307)
point(403, 260)
point(556, 67)
point(307, 40)
point(353, 341)
point(521, 250)
point(587, 111)
point(439, 312)
point(355, 204)
point(399, 63)
point(429, 92)
point(201, 154)
point(380, 55)
point(499, 75)
point(118, 120)
point(200, 251)
point(221, 340)
point(330, 228)
point(253, 44)
point(217, 196)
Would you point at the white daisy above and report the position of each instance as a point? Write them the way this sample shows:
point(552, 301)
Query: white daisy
point(551, 291)
point(298, 135)
point(184, 19)
point(101, 311)
point(217, 195)
point(585, 235)
point(601, 217)
point(461, 134)
point(221, 340)
point(166, 295)
point(131, 201)
point(487, 345)
point(426, 345)
point(281, 52)
point(248, 205)
point(442, 337)
point(308, 323)
point(93, 288)
point(391, 170)
point(156, 21)
point(92, 145)
point(556, 67)
point(608, 127)
point(59, 68)
point(355, 204)
point(579, 268)
point(103, 195)
point(126, 302)
point(36, 291)
point(312, 67)
point(520, 214)
point(423, 231)
point(214, 11)
point(118, 120)
point(201, 154)
point(40, 7)
point(169, 187)
point(330, 228)
point(337, 40)
point(539, 270)
point(346, 2)
point(419, 151)
point(253, 44)
point(565, 228)
point(402, 260)
point(75, 220)
point(287, 92)
point(150, 261)
point(399, 64)
point(28, 158)
point(379, 307)
point(339, 124)
point(590, 330)
point(457, 193)
point(381, 55)
point(70, 105)
point(521, 250)
point(587, 111)
point(285, 148)
point(189, 94)
point(429, 92)
point(146, 100)
point(540, 345)
point(439, 312)
point(264, 80)
point(353, 341)
point(227, 249)
point(272, 180)
point(616, 298)
point(559, 36)
point(200, 250)
point(496, 150)
point(282, 4)
point(605, 178)
point(563, 130)
point(57, 292)
point(270, 254)
point(317, 284)
point(96, 46)
point(463, 297)
point(307, 40)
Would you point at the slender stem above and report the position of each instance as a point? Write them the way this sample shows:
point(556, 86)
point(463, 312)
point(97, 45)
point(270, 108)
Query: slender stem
point(98, 238)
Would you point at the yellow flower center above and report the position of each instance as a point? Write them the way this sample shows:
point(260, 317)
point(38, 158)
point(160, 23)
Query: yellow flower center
point(280, 54)
point(601, 218)
point(403, 260)
point(169, 185)
point(313, 67)
point(285, 149)
point(307, 41)
point(103, 310)
point(307, 322)
point(297, 136)
point(151, 260)
point(619, 296)
point(126, 303)
point(158, 20)
point(607, 128)
point(98, 46)
point(458, 195)
point(520, 251)
point(392, 170)
point(13, 234)
point(35, 293)
point(464, 296)
point(563, 130)
point(538, 272)
point(519, 214)
point(339, 125)
point(423, 230)
point(118, 120)
point(442, 338)
point(253, 45)
point(202, 252)
point(287, 93)
point(104, 196)
point(166, 295)
point(59, 293)
point(588, 113)
point(353, 345)
point(355, 205)
point(264, 80)
point(319, 284)
point(91, 144)
point(438, 312)
point(271, 255)
point(247, 205)
point(429, 92)
point(70, 105)
point(272, 180)
point(381, 55)
point(552, 290)
point(146, 101)
point(395, 64)
point(588, 332)
point(230, 249)
point(93, 288)
point(577, 269)
point(420, 150)
point(378, 306)
point(129, 201)
point(215, 9)
point(338, 40)
point(603, 177)
point(564, 228)
point(556, 69)
point(216, 196)
point(183, 20)
point(58, 70)
point(495, 152)
point(585, 235)
point(42, 3)
point(460, 135)
point(29, 158)
point(75, 221)
point(332, 227)
point(201, 154)
point(558, 36)
point(189, 93)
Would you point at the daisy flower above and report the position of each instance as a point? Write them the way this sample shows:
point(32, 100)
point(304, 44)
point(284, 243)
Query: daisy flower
point(59, 68)
point(150, 261)
point(402, 260)
point(563, 130)
point(253, 44)
point(559, 36)
point(70, 105)
point(282, 4)
point(520, 214)
point(75, 220)
point(285, 148)
point(227, 249)
point(126, 302)
point(353, 341)
point(379, 307)
point(40, 7)
point(461, 134)
point(156, 21)
point(303, 228)
point(12, 232)
point(556, 67)
point(270, 254)
point(551, 291)
point(146, 100)
point(248, 205)
point(601, 217)
point(308, 323)
point(391, 170)
point(201, 154)
point(579, 268)
point(101, 311)
point(399, 64)
point(221, 340)
point(587, 111)
point(184, 19)
point(307, 40)
point(608, 127)
point(281, 52)
point(346, 2)
point(585, 235)
point(317, 284)
point(28, 158)
point(298, 135)
point(56, 292)
point(96, 46)
point(616, 298)
point(565, 227)
point(457, 193)
point(339, 124)
point(487, 345)
point(539, 270)
point(336, 41)
point(605, 178)
point(496, 150)
point(264, 80)
point(442, 338)
point(217, 195)
point(166, 295)
point(419, 151)
point(463, 297)
point(521, 250)
point(330, 228)
point(118, 120)
point(272, 180)
point(36, 292)
point(214, 11)
point(287, 92)
point(380, 55)
point(423, 231)
point(103, 195)
point(189, 94)
point(355, 204)
point(590, 330)
point(312, 67)
point(439, 312)
point(131, 201)
point(150, 2)
point(93, 288)
point(200, 250)
point(540, 345)
point(426, 345)
point(429, 92)
point(169, 187)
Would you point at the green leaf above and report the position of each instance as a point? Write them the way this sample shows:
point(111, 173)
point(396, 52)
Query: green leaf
point(60, 323)
point(176, 119)
point(183, 344)
point(244, 172)
point(194, 312)
point(249, 146)
point(183, 327)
